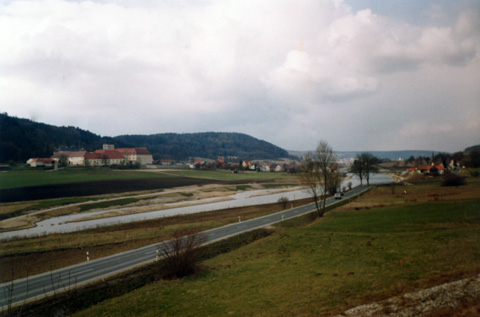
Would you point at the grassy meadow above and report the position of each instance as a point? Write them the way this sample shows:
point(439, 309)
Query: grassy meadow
point(22, 177)
point(33, 177)
point(225, 175)
point(381, 245)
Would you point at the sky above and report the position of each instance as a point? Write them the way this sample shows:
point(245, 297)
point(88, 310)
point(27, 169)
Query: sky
point(363, 75)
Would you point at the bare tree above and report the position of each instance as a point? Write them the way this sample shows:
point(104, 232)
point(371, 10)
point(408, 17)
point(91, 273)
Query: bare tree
point(369, 165)
point(284, 201)
point(334, 182)
point(357, 169)
point(182, 253)
point(309, 177)
point(364, 165)
point(326, 158)
point(63, 160)
point(317, 173)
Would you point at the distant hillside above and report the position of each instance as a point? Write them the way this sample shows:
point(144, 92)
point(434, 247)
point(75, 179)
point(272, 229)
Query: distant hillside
point(473, 148)
point(206, 145)
point(21, 139)
point(391, 155)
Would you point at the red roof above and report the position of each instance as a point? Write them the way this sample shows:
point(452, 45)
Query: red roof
point(133, 151)
point(42, 160)
point(69, 154)
point(110, 154)
point(428, 167)
point(424, 167)
point(92, 156)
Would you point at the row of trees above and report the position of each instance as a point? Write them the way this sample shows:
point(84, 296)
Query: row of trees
point(320, 175)
point(364, 165)
point(317, 174)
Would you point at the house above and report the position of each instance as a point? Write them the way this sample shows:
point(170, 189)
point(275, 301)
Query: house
point(40, 162)
point(246, 164)
point(111, 157)
point(107, 156)
point(93, 159)
point(440, 169)
point(137, 155)
point(221, 161)
point(275, 167)
point(73, 158)
point(423, 169)
point(265, 168)
point(279, 168)
point(431, 169)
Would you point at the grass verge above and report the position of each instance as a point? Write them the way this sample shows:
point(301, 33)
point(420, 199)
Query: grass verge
point(77, 299)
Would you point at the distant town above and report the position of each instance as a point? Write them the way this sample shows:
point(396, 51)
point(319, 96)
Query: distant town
point(108, 156)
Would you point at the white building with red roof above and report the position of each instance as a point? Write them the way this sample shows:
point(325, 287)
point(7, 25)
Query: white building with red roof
point(74, 158)
point(139, 155)
point(111, 157)
point(40, 161)
point(107, 156)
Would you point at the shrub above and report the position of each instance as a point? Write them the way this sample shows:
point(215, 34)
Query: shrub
point(182, 253)
point(452, 179)
point(283, 201)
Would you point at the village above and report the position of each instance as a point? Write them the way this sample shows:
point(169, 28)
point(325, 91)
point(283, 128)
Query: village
point(108, 156)
point(140, 157)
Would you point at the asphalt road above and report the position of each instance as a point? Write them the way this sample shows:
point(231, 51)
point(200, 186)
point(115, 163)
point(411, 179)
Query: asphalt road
point(39, 286)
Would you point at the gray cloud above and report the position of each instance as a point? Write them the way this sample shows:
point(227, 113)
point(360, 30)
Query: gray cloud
point(289, 73)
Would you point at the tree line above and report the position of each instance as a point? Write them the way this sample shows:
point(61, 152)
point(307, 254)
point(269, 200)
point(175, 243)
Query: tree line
point(209, 145)
point(22, 139)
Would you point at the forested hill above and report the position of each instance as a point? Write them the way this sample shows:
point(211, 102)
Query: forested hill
point(21, 139)
point(206, 145)
point(473, 148)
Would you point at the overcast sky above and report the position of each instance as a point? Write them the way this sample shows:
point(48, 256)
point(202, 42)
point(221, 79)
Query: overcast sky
point(362, 75)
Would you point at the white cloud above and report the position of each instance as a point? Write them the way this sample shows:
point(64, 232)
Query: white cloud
point(249, 65)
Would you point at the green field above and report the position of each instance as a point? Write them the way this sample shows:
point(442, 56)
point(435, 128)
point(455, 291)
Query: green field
point(224, 175)
point(32, 177)
point(23, 177)
point(347, 258)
